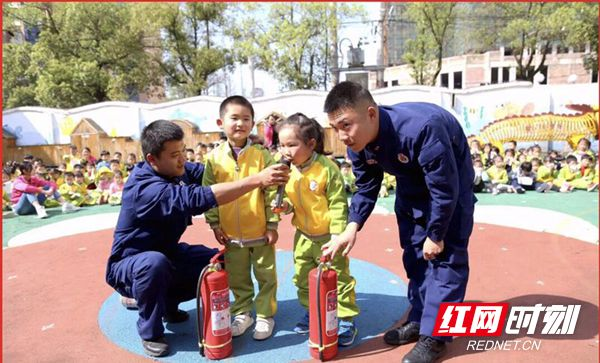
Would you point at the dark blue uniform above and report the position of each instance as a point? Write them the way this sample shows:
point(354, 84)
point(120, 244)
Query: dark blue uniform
point(424, 147)
point(147, 262)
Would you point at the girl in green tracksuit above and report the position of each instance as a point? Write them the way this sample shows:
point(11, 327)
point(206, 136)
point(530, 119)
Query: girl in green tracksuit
point(316, 195)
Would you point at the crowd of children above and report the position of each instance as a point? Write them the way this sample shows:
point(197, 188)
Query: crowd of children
point(517, 171)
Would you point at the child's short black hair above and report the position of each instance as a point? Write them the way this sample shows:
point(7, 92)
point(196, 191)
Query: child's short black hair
point(345, 164)
point(77, 166)
point(548, 159)
point(78, 174)
point(68, 173)
point(525, 166)
point(156, 134)
point(537, 160)
point(587, 157)
point(235, 100)
point(346, 95)
point(115, 161)
point(118, 172)
point(571, 158)
point(104, 152)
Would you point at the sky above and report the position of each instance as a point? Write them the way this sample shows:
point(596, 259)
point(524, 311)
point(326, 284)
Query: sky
point(241, 77)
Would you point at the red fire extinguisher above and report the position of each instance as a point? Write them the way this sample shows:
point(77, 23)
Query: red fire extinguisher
point(212, 303)
point(322, 305)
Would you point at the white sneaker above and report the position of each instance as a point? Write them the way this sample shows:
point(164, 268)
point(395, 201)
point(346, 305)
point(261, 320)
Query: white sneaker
point(264, 328)
point(41, 213)
point(241, 323)
point(68, 208)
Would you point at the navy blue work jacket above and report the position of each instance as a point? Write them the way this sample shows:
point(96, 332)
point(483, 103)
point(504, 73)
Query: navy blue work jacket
point(425, 148)
point(155, 211)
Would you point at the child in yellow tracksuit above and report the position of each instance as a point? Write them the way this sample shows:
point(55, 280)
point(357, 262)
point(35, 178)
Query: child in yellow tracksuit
point(70, 191)
point(315, 193)
point(566, 175)
point(247, 226)
point(498, 177)
point(587, 172)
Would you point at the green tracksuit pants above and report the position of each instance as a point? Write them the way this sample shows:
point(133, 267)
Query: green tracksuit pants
point(238, 263)
point(307, 252)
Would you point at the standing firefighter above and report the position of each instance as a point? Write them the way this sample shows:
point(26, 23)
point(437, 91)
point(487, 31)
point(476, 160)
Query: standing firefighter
point(424, 147)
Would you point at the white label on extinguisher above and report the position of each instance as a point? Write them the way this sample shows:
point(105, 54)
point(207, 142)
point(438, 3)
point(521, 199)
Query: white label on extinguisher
point(219, 312)
point(331, 319)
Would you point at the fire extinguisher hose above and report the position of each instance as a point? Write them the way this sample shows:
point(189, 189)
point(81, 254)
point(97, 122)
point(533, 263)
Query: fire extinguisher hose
point(319, 315)
point(199, 309)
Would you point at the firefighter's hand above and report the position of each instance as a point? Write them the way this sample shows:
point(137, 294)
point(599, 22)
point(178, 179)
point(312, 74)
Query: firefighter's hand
point(271, 236)
point(277, 174)
point(344, 240)
point(432, 249)
point(220, 236)
point(284, 206)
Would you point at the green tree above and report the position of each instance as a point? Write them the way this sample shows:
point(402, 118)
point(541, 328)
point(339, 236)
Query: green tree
point(86, 53)
point(582, 30)
point(185, 46)
point(433, 23)
point(292, 42)
point(530, 30)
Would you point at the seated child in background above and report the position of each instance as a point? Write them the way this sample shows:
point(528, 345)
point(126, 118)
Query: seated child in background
point(545, 175)
point(583, 148)
point(70, 191)
point(116, 189)
point(480, 176)
point(103, 180)
point(130, 163)
point(348, 176)
point(82, 183)
point(90, 176)
point(498, 182)
point(525, 178)
point(388, 183)
point(56, 176)
point(586, 175)
point(567, 174)
point(512, 165)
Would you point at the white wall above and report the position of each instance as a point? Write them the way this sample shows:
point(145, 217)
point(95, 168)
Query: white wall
point(474, 107)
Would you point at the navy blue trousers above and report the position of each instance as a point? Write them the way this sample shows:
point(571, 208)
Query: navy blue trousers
point(443, 279)
point(158, 283)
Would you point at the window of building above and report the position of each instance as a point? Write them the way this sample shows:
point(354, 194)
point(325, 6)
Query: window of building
point(458, 80)
point(494, 75)
point(444, 80)
point(385, 84)
point(395, 82)
point(595, 76)
point(505, 74)
point(508, 51)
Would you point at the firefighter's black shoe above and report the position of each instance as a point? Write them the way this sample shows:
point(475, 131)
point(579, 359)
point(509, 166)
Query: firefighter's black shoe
point(427, 350)
point(178, 316)
point(157, 347)
point(407, 333)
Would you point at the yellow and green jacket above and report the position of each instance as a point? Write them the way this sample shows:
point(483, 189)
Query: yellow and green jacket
point(316, 192)
point(544, 175)
point(248, 217)
point(500, 175)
